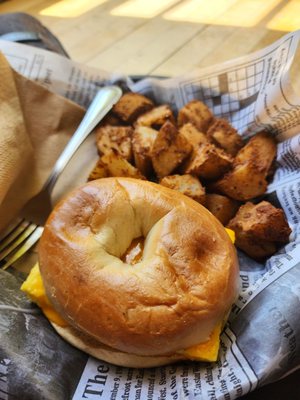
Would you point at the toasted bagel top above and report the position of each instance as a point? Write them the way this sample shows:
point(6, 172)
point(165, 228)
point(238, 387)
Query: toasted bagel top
point(172, 298)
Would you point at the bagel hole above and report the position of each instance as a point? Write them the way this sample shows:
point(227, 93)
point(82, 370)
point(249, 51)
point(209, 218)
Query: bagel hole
point(134, 252)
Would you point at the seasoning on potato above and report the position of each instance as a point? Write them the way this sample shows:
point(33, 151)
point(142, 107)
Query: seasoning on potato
point(201, 156)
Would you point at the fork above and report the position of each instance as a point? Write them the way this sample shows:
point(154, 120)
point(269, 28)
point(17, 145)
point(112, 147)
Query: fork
point(28, 227)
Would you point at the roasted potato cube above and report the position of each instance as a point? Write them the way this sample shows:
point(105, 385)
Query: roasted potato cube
point(222, 207)
point(208, 162)
point(260, 150)
point(111, 119)
point(243, 183)
point(259, 228)
point(223, 135)
point(252, 165)
point(186, 184)
point(131, 106)
point(99, 171)
point(114, 137)
point(254, 247)
point(116, 166)
point(142, 143)
point(197, 113)
point(193, 135)
point(156, 117)
point(263, 221)
point(170, 148)
point(272, 170)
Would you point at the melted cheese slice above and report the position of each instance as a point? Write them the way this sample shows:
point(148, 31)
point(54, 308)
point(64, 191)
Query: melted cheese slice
point(34, 288)
point(206, 351)
point(231, 234)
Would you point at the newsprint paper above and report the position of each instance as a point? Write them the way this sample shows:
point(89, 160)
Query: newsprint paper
point(261, 342)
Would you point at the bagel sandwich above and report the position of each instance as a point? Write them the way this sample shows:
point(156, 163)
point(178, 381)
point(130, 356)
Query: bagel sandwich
point(135, 273)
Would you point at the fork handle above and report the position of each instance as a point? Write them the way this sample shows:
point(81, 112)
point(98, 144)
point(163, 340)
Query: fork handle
point(99, 107)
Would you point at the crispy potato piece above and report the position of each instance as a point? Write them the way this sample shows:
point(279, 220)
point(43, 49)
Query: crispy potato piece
point(131, 106)
point(263, 221)
point(208, 162)
point(186, 184)
point(99, 171)
point(223, 135)
point(193, 135)
point(243, 183)
point(259, 228)
point(221, 207)
point(254, 247)
point(116, 166)
point(260, 150)
point(272, 170)
point(197, 113)
point(170, 148)
point(156, 117)
point(142, 143)
point(111, 119)
point(115, 137)
point(251, 168)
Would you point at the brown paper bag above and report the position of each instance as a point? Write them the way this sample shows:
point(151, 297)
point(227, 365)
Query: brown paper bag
point(35, 125)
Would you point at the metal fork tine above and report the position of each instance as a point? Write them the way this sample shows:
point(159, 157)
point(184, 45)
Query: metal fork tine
point(13, 233)
point(16, 243)
point(7, 232)
point(33, 238)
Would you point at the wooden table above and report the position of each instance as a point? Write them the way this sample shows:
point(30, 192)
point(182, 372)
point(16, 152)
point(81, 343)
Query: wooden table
point(168, 38)
point(161, 37)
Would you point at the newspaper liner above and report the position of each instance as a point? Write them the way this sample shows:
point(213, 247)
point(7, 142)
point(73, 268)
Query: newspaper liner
point(253, 92)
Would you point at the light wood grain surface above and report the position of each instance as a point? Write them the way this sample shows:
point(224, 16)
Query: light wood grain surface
point(161, 37)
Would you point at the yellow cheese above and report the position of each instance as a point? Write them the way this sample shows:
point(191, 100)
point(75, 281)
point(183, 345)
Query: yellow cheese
point(231, 234)
point(34, 288)
point(206, 351)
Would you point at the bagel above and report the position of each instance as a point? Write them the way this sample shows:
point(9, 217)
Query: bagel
point(143, 307)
